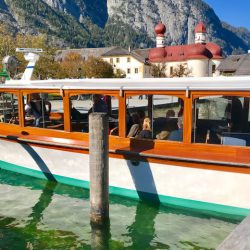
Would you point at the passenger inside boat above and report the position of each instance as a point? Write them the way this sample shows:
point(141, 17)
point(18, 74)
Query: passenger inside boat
point(222, 120)
point(99, 105)
point(136, 126)
point(169, 126)
point(177, 135)
point(141, 114)
point(146, 132)
point(9, 108)
point(38, 109)
point(81, 108)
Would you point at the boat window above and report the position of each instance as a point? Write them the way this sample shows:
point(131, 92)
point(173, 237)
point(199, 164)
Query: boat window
point(44, 110)
point(137, 110)
point(167, 118)
point(8, 108)
point(84, 104)
point(154, 117)
point(221, 120)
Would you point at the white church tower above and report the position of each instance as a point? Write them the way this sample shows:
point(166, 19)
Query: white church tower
point(160, 30)
point(200, 33)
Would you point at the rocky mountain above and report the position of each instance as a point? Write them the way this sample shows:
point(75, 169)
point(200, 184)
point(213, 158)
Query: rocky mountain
point(96, 23)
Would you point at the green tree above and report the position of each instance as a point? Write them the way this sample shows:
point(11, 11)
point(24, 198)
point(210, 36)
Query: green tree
point(159, 70)
point(95, 67)
point(180, 71)
point(72, 66)
point(119, 74)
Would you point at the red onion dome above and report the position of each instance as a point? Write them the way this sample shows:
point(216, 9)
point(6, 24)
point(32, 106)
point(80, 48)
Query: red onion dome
point(157, 54)
point(200, 28)
point(215, 50)
point(160, 29)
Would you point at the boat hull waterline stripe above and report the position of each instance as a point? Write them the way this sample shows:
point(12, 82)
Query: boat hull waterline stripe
point(168, 200)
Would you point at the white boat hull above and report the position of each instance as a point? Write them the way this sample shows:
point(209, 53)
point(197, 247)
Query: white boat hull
point(178, 185)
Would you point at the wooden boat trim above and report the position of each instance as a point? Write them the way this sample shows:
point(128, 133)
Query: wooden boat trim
point(125, 152)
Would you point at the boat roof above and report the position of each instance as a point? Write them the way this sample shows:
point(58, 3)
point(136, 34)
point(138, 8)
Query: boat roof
point(184, 83)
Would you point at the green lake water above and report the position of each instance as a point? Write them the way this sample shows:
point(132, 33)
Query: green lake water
point(36, 214)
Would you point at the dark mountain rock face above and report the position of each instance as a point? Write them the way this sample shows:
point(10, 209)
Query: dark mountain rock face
point(96, 23)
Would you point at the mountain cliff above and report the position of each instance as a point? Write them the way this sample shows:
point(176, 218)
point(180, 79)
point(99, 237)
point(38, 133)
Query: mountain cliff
point(97, 23)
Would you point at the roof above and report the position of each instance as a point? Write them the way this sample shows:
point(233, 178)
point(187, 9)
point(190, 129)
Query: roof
point(143, 53)
point(139, 54)
point(85, 52)
point(186, 84)
point(185, 52)
point(244, 67)
point(238, 64)
point(117, 51)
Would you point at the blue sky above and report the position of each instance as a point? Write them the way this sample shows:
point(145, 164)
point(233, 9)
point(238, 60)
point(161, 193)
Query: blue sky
point(234, 12)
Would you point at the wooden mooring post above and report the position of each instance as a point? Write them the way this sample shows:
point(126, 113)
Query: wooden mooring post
point(99, 168)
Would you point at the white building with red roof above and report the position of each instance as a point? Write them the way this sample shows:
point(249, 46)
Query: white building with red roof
point(200, 58)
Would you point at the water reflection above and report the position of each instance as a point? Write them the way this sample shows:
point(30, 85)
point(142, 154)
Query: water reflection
point(46, 215)
point(100, 235)
point(43, 202)
point(142, 230)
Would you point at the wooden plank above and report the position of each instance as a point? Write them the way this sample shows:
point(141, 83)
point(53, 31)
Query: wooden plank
point(239, 239)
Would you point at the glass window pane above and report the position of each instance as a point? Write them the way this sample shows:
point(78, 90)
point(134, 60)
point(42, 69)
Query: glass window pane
point(221, 120)
point(83, 105)
point(138, 117)
point(8, 108)
point(167, 118)
point(44, 110)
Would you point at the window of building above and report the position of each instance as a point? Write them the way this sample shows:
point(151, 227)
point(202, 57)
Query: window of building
point(83, 105)
point(8, 108)
point(128, 71)
point(44, 110)
point(111, 60)
point(128, 59)
point(136, 70)
point(117, 60)
point(221, 120)
point(171, 70)
point(213, 68)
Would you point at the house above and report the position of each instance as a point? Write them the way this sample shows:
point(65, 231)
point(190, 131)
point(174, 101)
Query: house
point(235, 65)
point(200, 58)
point(132, 63)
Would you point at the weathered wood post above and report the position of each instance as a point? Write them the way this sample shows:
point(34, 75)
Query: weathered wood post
point(99, 168)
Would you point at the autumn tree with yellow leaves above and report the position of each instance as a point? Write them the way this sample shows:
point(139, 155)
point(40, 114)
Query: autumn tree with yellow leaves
point(72, 66)
point(95, 67)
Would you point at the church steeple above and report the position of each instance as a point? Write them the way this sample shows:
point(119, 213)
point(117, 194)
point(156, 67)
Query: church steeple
point(160, 30)
point(200, 33)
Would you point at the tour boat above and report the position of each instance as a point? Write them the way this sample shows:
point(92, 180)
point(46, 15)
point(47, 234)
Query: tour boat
point(178, 141)
point(195, 153)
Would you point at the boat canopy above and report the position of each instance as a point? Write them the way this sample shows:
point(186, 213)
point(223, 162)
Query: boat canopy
point(194, 83)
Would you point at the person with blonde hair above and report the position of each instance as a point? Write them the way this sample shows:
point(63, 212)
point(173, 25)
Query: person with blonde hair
point(146, 132)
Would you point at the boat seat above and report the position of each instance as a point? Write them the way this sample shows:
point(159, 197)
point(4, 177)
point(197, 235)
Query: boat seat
point(226, 140)
point(59, 126)
point(237, 135)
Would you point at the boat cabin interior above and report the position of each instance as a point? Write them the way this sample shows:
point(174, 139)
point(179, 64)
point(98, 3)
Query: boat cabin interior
point(164, 119)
